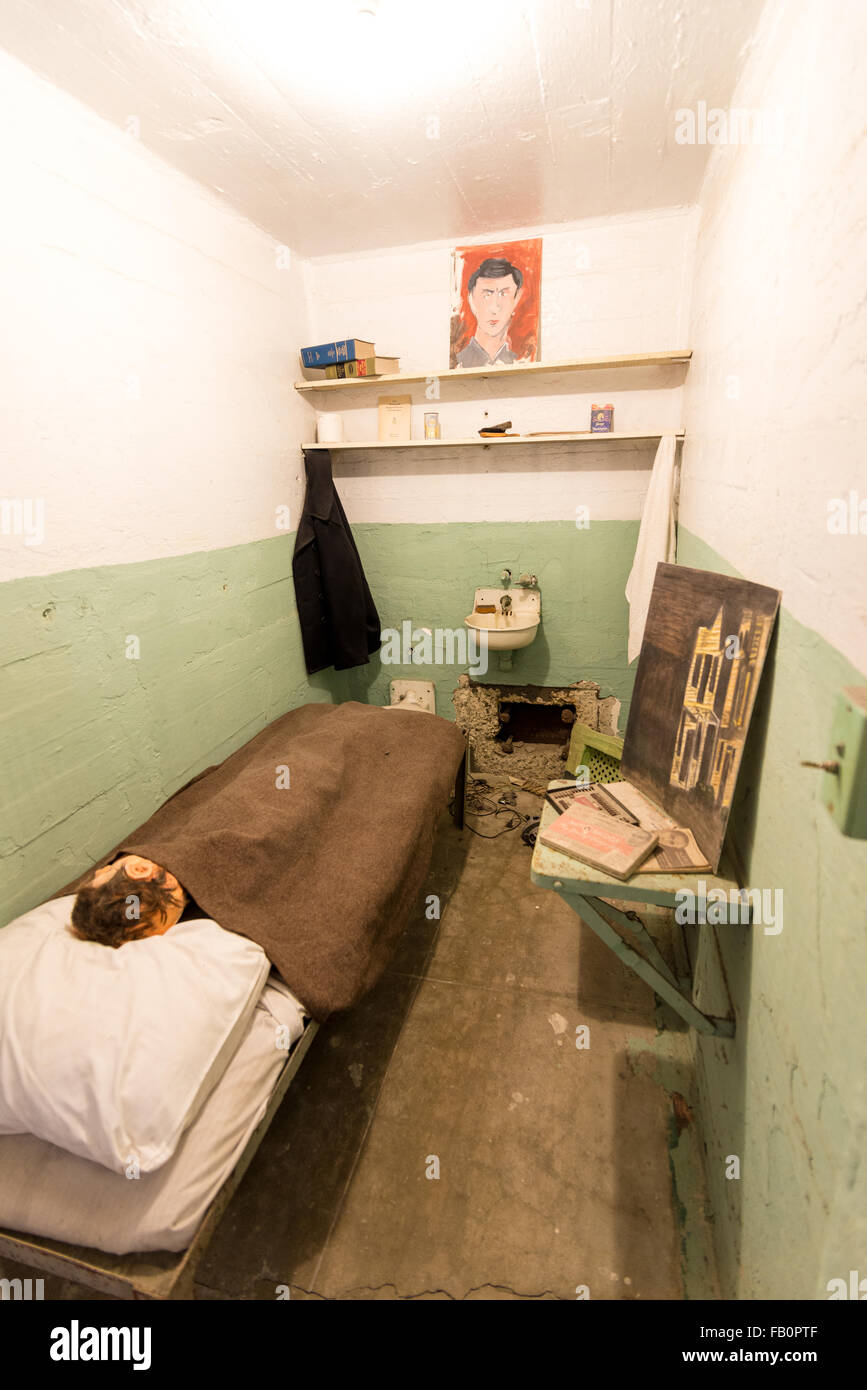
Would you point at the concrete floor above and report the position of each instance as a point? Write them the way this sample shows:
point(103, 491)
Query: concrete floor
point(558, 1168)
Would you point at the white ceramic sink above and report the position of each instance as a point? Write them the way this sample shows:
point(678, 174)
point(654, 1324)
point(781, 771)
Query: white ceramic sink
point(506, 631)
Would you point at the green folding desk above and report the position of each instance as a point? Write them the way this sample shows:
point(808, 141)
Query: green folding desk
point(588, 891)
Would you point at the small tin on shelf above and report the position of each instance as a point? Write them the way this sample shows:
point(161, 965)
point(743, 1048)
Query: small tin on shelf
point(601, 419)
point(432, 424)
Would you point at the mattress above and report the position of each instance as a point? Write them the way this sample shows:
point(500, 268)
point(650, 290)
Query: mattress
point(45, 1191)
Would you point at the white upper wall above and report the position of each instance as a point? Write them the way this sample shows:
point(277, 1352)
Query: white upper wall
point(150, 337)
point(776, 398)
point(609, 286)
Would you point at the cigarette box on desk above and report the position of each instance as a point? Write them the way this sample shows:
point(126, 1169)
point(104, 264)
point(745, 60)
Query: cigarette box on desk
point(395, 419)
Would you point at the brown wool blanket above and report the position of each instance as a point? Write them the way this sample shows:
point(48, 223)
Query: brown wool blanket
point(322, 872)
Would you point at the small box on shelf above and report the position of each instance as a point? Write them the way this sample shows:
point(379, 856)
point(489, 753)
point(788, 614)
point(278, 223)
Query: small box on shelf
point(395, 418)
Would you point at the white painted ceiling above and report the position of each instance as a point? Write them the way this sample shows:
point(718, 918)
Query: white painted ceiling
point(434, 119)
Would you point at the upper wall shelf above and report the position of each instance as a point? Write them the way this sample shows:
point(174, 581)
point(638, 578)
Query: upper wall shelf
point(584, 437)
point(529, 369)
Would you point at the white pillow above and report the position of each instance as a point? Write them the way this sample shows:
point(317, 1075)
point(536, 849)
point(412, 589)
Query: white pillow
point(109, 1053)
point(48, 1192)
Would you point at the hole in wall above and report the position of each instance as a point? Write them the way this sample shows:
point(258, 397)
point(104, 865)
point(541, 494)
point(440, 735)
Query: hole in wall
point(535, 723)
point(534, 740)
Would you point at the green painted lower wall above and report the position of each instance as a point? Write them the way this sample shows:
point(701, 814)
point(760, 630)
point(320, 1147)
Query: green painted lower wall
point(787, 1095)
point(92, 741)
point(429, 574)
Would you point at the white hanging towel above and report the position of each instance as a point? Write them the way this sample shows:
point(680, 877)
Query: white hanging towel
point(656, 540)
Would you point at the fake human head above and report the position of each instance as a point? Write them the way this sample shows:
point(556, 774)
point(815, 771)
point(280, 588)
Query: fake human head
point(126, 900)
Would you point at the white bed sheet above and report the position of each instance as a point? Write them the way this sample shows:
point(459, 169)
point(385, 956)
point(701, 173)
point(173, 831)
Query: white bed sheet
point(46, 1191)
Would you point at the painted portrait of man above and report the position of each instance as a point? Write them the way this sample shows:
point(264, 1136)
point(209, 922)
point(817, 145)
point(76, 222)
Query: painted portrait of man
point(495, 304)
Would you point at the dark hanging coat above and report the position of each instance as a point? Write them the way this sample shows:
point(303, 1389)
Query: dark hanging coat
point(339, 623)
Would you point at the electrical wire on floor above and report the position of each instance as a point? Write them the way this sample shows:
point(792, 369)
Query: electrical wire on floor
point(477, 804)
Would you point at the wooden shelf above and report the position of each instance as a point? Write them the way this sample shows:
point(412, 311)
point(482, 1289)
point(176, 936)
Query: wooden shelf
point(577, 364)
point(585, 437)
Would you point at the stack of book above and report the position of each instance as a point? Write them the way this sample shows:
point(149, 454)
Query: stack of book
point(348, 358)
point(613, 827)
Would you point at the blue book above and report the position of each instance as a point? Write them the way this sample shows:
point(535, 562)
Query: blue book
point(326, 353)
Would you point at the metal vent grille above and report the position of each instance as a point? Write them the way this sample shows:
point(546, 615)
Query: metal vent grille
point(601, 767)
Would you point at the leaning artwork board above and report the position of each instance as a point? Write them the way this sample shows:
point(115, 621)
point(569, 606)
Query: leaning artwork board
point(705, 642)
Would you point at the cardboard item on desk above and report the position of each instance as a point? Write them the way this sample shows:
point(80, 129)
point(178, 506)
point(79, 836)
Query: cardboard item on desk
point(677, 851)
point(600, 840)
point(648, 815)
point(395, 418)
